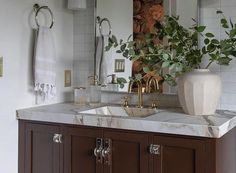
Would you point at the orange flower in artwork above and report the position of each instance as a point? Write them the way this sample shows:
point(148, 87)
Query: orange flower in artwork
point(137, 27)
point(137, 7)
point(153, 14)
point(149, 23)
point(157, 12)
point(137, 67)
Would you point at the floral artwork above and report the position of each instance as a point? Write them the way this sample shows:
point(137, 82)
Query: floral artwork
point(146, 14)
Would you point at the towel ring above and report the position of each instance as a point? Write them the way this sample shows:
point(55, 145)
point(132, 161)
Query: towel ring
point(100, 26)
point(37, 9)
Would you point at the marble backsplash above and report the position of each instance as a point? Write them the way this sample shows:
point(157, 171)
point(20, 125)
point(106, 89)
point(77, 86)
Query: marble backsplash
point(163, 100)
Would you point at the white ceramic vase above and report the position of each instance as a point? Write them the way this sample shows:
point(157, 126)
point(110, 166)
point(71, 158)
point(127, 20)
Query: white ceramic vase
point(199, 92)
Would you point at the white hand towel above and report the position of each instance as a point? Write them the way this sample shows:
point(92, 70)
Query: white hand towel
point(45, 64)
point(99, 56)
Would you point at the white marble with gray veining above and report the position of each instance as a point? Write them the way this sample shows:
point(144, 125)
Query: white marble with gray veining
point(169, 121)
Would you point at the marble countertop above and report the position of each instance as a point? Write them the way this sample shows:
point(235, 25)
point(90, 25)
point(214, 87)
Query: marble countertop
point(169, 121)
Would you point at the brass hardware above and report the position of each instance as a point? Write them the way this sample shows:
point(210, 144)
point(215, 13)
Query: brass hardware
point(140, 92)
point(152, 85)
point(154, 105)
point(154, 149)
point(98, 150)
point(107, 152)
point(67, 79)
point(113, 79)
point(126, 102)
point(57, 138)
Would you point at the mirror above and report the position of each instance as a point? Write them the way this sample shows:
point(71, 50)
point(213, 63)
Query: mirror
point(132, 17)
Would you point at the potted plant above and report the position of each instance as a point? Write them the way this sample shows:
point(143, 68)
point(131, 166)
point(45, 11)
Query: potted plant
point(198, 89)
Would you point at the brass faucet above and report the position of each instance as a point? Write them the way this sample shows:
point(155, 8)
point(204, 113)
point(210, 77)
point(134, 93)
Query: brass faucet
point(151, 85)
point(140, 94)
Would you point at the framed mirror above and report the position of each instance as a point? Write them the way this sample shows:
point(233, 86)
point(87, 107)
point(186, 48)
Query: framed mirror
point(125, 18)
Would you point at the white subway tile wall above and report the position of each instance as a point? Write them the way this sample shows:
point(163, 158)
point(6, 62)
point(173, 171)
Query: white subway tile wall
point(84, 44)
point(209, 18)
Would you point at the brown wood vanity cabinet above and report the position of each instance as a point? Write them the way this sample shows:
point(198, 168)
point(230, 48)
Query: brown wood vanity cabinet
point(51, 148)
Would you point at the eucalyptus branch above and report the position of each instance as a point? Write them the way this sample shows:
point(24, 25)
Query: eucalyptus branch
point(209, 64)
point(182, 52)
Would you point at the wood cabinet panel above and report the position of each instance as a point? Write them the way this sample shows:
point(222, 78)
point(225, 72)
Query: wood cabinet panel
point(41, 153)
point(79, 145)
point(179, 155)
point(129, 152)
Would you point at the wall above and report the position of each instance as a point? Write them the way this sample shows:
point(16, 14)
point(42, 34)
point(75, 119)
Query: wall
point(187, 10)
point(84, 44)
point(15, 85)
point(208, 17)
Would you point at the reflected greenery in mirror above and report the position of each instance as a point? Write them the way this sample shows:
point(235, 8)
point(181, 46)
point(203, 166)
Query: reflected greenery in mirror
point(180, 52)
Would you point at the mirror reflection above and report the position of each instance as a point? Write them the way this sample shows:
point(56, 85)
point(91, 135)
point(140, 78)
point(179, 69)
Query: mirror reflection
point(133, 19)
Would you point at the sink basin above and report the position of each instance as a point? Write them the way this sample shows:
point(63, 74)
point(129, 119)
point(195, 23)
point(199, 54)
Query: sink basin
point(120, 111)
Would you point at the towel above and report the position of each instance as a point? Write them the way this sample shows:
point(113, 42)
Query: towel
point(103, 60)
point(45, 64)
point(99, 56)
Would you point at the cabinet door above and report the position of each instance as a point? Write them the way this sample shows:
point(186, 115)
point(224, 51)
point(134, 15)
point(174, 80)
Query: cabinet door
point(179, 155)
point(79, 145)
point(128, 152)
point(41, 152)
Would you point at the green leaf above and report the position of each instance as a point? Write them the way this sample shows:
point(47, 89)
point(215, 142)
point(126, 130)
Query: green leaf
point(172, 66)
point(121, 85)
point(146, 69)
point(138, 76)
point(201, 28)
point(170, 80)
point(114, 40)
point(150, 49)
point(126, 54)
point(224, 61)
point(110, 40)
point(204, 50)
point(107, 48)
point(232, 33)
point(129, 38)
point(215, 41)
point(206, 41)
point(121, 80)
point(165, 56)
point(165, 64)
point(231, 23)
point(211, 47)
point(225, 26)
point(210, 35)
point(223, 21)
point(118, 51)
point(122, 48)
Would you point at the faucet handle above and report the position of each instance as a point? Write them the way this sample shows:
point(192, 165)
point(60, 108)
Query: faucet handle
point(154, 104)
point(126, 102)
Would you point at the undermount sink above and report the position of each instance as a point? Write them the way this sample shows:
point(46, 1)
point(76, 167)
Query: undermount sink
point(121, 111)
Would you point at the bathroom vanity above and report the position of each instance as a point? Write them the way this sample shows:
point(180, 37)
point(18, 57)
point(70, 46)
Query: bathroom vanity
point(67, 138)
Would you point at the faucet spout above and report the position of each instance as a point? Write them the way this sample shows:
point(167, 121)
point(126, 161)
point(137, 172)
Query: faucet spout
point(140, 93)
point(152, 85)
